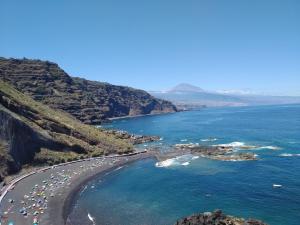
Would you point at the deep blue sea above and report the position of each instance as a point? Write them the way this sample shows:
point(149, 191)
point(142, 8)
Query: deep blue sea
point(142, 193)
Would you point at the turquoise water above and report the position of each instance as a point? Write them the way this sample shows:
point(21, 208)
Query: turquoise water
point(142, 193)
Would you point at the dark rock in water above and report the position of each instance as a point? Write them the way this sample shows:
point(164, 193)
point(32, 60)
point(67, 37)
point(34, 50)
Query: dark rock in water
point(134, 139)
point(215, 152)
point(216, 218)
point(211, 152)
point(89, 101)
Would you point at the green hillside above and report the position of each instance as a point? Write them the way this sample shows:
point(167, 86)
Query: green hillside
point(33, 133)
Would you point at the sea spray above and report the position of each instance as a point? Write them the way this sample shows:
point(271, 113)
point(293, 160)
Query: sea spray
point(183, 160)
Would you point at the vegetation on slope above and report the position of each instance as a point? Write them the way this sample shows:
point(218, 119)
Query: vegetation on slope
point(33, 133)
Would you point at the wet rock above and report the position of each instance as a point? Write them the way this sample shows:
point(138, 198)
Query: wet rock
point(216, 218)
point(222, 153)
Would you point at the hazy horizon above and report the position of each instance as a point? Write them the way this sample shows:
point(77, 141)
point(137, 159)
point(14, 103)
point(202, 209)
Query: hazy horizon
point(156, 45)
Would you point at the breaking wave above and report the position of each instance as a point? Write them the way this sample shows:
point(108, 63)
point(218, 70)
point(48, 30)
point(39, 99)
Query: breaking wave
point(235, 144)
point(118, 168)
point(183, 160)
point(209, 140)
point(270, 147)
point(242, 145)
point(91, 219)
point(288, 155)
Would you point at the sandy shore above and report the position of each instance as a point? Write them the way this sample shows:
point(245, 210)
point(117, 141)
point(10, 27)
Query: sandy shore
point(47, 196)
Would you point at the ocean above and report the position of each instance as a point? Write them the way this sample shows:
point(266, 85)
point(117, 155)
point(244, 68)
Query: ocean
point(158, 194)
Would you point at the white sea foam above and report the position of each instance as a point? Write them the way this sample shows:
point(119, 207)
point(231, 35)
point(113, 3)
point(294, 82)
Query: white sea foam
point(209, 140)
point(183, 160)
point(91, 219)
point(183, 140)
point(118, 168)
point(242, 145)
point(270, 147)
point(235, 144)
point(288, 155)
point(83, 190)
point(166, 163)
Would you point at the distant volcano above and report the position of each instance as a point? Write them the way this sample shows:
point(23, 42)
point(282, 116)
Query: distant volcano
point(187, 96)
point(184, 87)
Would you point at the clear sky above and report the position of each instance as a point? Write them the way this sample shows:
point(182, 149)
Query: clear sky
point(155, 44)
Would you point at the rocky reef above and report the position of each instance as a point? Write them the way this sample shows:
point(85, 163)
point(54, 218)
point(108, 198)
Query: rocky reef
point(223, 153)
point(216, 218)
point(33, 133)
point(89, 101)
point(133, 138)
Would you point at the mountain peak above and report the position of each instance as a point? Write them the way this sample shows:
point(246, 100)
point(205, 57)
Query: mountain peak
point(184, 87)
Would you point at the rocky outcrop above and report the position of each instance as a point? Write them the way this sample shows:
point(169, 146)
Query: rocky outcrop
point(89, 101)
point(133, 138)
point(33, 133)
point(21, 142)
point(216, 218)
point(217, 152)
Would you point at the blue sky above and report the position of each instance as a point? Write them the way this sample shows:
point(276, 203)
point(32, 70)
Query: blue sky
point(153, 45)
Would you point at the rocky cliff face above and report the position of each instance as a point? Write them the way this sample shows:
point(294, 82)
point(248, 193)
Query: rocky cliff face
point(20, 141)
point(216, 218)
point(89, 101)
point(33, 133)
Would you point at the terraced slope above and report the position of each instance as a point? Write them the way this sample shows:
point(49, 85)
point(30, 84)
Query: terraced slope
point(89, 101)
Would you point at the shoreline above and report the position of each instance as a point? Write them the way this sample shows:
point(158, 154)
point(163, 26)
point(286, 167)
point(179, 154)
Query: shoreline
point(53, 203)
point(58, 186)
point(72, 196)
point(137, 116)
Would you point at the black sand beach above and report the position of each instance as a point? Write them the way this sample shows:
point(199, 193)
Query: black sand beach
point(47, 196)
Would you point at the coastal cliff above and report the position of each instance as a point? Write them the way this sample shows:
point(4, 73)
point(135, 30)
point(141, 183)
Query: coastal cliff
point(33, 133)
point(89, 101)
